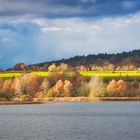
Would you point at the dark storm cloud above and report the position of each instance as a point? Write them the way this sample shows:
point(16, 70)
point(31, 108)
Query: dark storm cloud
point(68, 8)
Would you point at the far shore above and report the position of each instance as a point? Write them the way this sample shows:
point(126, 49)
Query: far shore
point(69, 99)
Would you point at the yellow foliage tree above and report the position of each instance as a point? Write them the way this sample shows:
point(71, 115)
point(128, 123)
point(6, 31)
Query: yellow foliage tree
point(52, 68)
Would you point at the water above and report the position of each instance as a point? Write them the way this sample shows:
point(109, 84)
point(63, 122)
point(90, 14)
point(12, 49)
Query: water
point(71, 121)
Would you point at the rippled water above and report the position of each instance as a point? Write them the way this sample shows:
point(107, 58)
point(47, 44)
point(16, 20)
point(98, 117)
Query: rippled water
point(71, 121)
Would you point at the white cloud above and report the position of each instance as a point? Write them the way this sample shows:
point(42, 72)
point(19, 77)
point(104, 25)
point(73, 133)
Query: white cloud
point(39, 21)
point(77, 25)
point(66, 37)
point(90, 36)
point(59, 29)
point(52, 29)
point(85, 1)
point(6, 39)
point(74, 25)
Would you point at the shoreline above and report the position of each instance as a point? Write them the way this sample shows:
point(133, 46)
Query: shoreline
point(69, 99)
point(18, 103)
point(88, 99)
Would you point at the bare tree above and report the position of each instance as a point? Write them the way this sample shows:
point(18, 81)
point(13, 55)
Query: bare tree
point(96, 86)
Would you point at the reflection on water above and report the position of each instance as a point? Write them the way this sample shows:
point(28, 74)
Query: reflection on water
point(71, 121)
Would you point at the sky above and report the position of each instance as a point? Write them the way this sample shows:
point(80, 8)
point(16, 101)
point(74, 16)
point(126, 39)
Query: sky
point(33, 31)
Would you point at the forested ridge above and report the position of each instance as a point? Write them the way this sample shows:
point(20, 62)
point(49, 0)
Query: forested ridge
point(124, 58)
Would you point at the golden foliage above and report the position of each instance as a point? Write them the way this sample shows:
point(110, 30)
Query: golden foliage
point(61, 89)
point(117, 88)
point(45, 85)
point(52, 68)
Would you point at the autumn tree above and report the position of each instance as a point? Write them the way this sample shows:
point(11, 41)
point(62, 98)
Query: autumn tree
point(110, 67)
point(52, 68)
point(7, 85)
point(34, 85)
point(122, 87)
point(45, 67)
point(20, 66)
point(96, 86)
point(112, 86)
point(56, 90)
point(67, 89)
point(27, 84)
point(1, 84)
point(21, 84)
point(61, 89)
point(43, 89)
point(82, 68)
point(45, 85)
point(63, 67)
point(117, 88)
point(7, 89)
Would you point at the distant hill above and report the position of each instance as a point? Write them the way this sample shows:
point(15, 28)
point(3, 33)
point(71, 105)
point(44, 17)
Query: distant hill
point(124, 58)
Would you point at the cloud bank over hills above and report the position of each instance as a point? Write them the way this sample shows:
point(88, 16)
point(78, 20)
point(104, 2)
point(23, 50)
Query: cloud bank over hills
point(33, 31)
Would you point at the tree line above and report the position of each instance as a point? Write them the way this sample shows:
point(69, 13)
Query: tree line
point(29, 86)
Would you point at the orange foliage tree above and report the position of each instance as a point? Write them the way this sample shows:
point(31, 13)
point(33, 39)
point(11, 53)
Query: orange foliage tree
point(61, 89)
point(117, 88)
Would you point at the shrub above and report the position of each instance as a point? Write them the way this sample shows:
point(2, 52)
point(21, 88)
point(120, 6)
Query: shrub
point(22, 98)
point(40, 95)
point(6, 95)
point(135, 84)
point(133, 93)
point(82, 90)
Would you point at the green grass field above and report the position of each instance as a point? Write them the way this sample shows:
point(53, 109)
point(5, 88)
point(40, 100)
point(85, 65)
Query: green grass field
point(84, 73)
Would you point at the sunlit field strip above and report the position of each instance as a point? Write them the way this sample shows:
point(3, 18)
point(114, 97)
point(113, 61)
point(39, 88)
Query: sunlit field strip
point(84, 73)
point(111, 74)
point(9, 75)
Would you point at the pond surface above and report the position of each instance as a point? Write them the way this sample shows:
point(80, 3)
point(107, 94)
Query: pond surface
point(71, 121)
